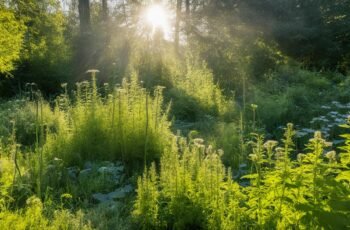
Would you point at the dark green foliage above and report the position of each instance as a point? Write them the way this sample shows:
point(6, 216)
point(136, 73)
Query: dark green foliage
point(284, 94)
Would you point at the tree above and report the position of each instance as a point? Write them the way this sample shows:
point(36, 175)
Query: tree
point(104, 10)
point(84, 16)
point(177, 23)
point(11, 38)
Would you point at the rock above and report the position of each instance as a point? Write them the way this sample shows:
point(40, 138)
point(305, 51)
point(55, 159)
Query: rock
point(103, 169)
point(110, 205)
point(108, 170)
point(101, 197)
point(107, 164)
point(73, 173)
point(84, 173)
point(120, 168)
point(128, 188)
point(117, 194)
point(111, 170)
point(88, 165)
point(121, 192)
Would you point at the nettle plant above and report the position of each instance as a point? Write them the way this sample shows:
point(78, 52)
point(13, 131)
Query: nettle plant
point(307, 192)
point(127, 123)
point(194, 190)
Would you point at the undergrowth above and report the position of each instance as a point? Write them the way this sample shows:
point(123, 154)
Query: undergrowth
point(126, 123)
point(192, 189)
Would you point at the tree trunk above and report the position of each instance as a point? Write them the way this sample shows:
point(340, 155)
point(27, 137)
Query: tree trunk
point(188, 19)
point(84, 16)
point(85, 49)
point(104, 11)
point(177, 23)
point(187, 8)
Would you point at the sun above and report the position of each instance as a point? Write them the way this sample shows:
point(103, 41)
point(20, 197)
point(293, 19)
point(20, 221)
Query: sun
point(157, 17)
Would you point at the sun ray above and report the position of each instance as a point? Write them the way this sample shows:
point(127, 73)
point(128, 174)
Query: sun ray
point(157, 17)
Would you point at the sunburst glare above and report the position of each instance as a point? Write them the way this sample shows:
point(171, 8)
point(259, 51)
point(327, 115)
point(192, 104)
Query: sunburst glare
point(158, 17)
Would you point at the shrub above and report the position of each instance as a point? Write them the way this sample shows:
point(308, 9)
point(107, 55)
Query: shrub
point(195, 94)
point(25, 116)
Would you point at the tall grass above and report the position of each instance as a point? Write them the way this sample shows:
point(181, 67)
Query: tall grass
point(126, 123)
point(195, 93)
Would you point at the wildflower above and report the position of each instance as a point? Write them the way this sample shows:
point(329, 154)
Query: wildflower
point(270, 144)
point(301, 157)
point(209, 149)
point(253, 157)
point(254, 106)
point(198, 141)
point(318, 135)
point(331, 156)
point(279, 153)
point(92, 71)
point(34, 201)
point(220, 152)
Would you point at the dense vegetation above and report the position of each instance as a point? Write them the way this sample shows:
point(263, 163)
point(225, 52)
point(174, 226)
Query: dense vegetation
point(186, 114)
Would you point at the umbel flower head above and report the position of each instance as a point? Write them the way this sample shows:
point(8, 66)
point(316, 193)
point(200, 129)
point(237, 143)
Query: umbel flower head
point(301, 157)
point(270, 144)
point(92, 71)
point(254, 106)
point(253, 157)
point(331, 156)
point(279, 153)
point(318, 139)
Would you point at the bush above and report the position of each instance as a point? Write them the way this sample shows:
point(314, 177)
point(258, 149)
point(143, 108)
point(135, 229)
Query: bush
point(285, 94)
point(195, 94)
point(23, 116)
